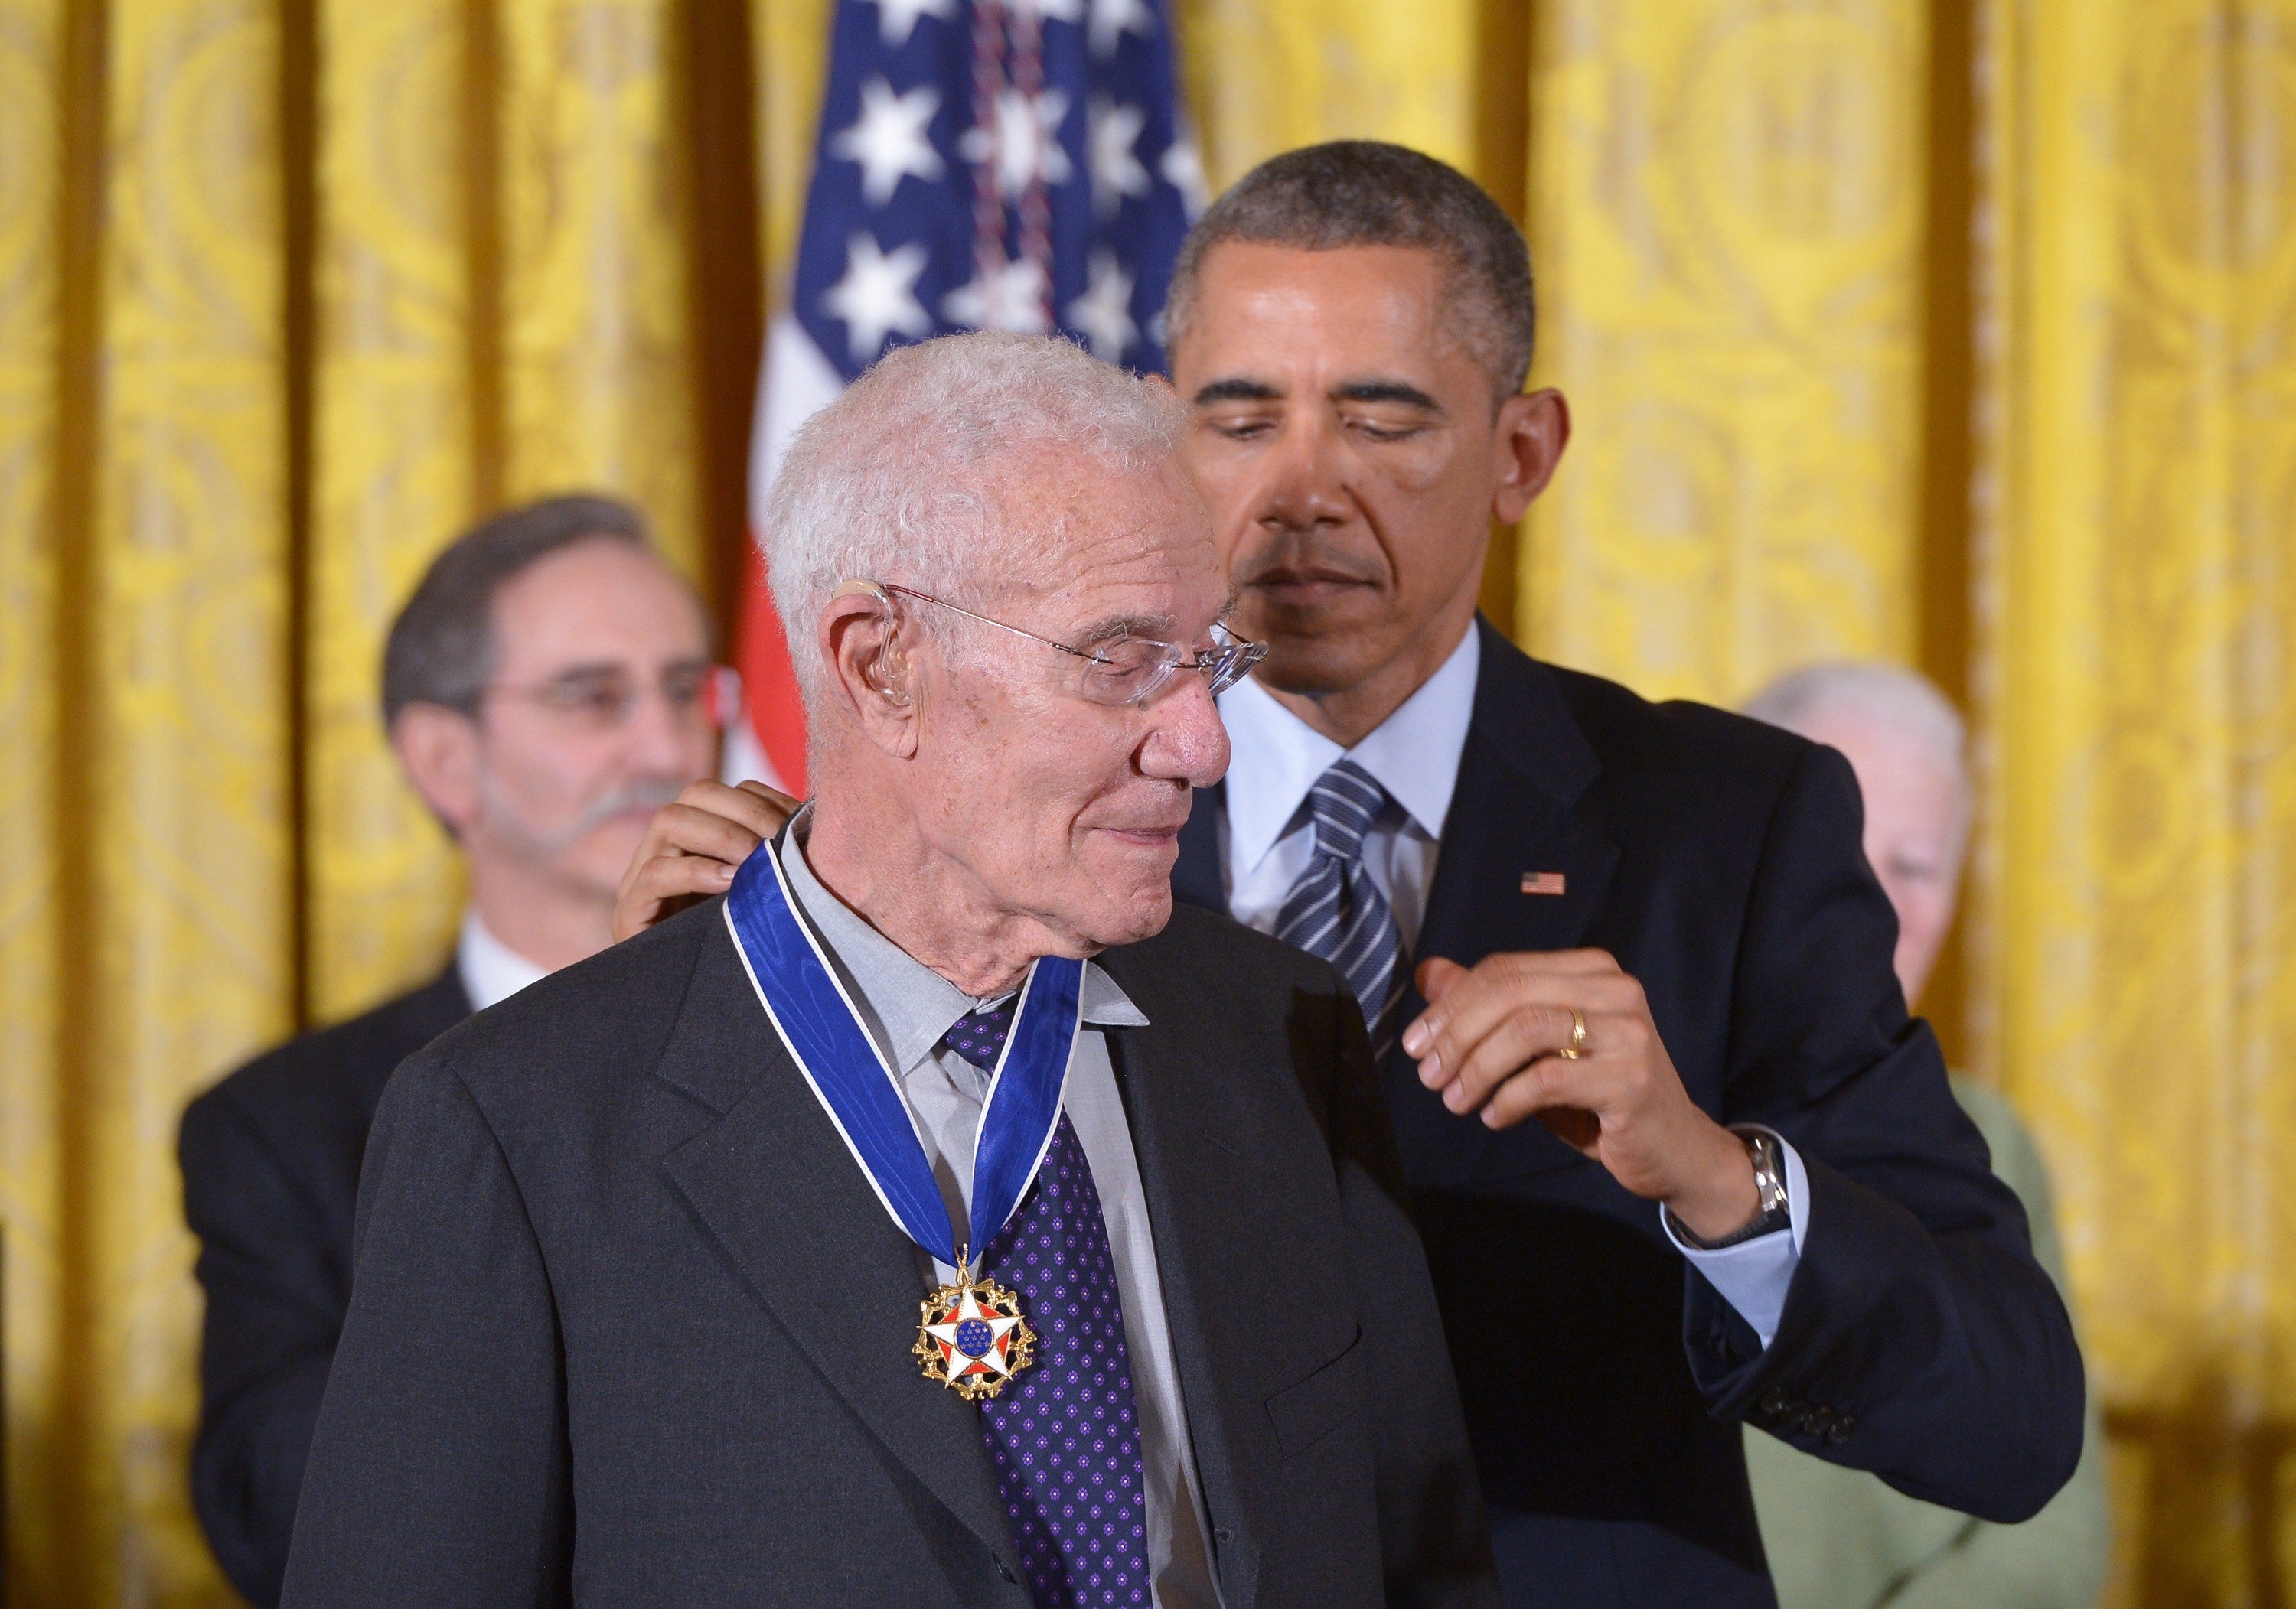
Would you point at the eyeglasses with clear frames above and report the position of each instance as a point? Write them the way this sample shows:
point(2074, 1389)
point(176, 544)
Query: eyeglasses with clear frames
point(1123, 670)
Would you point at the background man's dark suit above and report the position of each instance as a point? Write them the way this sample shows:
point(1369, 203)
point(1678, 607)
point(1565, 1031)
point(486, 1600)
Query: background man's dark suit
point(1719, 861)
point(271, 1166)
point(629, 1321)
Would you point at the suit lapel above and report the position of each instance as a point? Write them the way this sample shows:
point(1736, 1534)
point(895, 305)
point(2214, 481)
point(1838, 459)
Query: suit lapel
point(1514, 817)
point(775, 1189)
point(1185, 1129)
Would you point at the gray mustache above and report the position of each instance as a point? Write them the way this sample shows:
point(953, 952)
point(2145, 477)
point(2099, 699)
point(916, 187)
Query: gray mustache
point(646, 793)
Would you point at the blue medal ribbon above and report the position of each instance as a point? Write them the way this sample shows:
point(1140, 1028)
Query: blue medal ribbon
point(815, 1019)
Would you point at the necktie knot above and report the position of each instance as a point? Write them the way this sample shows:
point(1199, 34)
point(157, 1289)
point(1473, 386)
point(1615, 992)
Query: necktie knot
point(978, 1036)
point(1343, 803)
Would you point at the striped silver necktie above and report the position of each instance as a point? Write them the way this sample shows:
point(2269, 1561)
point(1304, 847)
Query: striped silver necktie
point(1335, 911)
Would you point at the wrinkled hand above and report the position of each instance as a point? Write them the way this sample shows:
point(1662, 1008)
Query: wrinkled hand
point(1488, 1040)
point(691, 848)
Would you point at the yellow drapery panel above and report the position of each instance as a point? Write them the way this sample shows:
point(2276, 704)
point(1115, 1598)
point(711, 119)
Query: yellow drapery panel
point(493, 276)
point(1265, 75)
point(31, 104)
point(502, 312)
point(2141, 893)
point(1726, 224)
point(594, 295)
point(187, 748)
point(790, 42)
point(396, 463)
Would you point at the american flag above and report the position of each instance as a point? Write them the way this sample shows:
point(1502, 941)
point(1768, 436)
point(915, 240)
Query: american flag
point(1014, 165)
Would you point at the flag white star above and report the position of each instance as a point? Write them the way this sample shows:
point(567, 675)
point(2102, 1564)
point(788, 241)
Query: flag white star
point(1112, 20)
point(878, 295)
point(896, 20)
point(1102, 314)
point(1025, 144)
point(888, 138)
point(1116, 171)
point(1183, 171)
point(1009, 298)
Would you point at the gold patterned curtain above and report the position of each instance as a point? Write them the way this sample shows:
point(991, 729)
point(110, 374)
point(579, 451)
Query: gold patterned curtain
point(1956, 333)
point(2138, 566)
point(289, 290)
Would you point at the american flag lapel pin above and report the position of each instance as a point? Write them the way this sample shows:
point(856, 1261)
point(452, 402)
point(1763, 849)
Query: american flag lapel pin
point(1542, 882)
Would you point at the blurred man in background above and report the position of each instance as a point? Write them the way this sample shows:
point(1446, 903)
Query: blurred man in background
point(1838, 1539)
point(548, 687)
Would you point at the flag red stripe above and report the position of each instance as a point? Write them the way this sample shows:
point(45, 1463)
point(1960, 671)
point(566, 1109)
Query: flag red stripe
point(768, 682)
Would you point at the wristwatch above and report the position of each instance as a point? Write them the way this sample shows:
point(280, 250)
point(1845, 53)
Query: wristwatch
point(1773, 1211)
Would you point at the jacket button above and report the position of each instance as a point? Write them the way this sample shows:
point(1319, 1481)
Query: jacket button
point(1837, 1433)
point(1776, 1405)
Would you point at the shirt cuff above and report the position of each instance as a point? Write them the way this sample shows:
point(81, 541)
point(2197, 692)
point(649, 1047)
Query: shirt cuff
point(1753, 1275)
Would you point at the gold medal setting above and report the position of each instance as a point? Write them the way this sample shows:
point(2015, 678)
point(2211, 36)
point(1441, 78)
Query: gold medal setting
point(942, 1328)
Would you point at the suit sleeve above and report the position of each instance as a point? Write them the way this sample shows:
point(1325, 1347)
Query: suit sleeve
point(440, 1471)
point(1919, 1339)
point(273, 1309)
point(1432, 1542)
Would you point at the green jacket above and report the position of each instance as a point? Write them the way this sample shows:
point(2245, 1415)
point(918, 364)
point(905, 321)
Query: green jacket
point(1838, 1539)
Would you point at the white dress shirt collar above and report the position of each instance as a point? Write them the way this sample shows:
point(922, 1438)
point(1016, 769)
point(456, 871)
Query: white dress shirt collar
point(906, 1003)
point(491, 971)
point(1413, 753)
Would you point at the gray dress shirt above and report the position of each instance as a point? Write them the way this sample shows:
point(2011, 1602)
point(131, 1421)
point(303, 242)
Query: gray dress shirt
point(906, 1008)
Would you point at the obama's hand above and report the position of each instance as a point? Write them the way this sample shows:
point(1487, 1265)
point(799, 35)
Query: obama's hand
point(1497, 1039)
point(691, 848)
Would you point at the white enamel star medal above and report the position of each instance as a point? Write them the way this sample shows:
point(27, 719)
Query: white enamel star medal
point(971, 1337)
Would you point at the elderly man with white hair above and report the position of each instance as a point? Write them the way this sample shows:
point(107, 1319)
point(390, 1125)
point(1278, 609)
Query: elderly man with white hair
point(1838, 1539)
point(936, 1218)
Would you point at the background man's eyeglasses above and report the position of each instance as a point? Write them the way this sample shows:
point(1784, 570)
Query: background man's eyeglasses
point(1123, 670)
point(604, 699)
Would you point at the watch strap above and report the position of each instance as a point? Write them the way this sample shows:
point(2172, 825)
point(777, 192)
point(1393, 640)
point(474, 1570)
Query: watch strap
point(1774, 1210)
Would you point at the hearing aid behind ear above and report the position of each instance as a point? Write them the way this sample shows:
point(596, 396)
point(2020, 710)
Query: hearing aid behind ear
point(859, 587)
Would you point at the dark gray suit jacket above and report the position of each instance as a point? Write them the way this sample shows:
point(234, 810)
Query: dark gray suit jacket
point(628, 1324)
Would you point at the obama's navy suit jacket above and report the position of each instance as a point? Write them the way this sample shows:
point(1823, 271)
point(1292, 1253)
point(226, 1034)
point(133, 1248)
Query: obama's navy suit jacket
point(1603, 1382)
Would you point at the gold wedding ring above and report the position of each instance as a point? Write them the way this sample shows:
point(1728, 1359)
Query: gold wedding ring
point(1577, 1047)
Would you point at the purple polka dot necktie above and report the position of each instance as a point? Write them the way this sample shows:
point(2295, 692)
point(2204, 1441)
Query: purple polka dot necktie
point(1064, 1435)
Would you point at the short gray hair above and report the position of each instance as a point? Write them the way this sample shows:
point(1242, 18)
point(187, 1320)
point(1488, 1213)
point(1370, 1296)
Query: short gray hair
point(1906, 701)
point(442, 647)
point(1367, 192)
point(905, 477)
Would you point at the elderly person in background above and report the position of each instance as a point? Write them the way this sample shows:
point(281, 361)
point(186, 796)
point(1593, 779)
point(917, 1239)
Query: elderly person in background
point(638, 1305)
point(547, 685)
point(1839, 1539)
